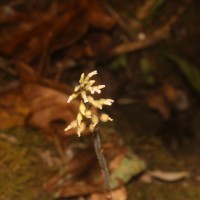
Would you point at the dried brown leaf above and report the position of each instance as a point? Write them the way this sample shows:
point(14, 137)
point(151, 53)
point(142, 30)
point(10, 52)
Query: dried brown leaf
point(13, 110)
point(82, 175)
point(169, 176)
point(49, 106)
point(120, 194)
point(62, 25)
point(98, 18)
point(158, 102)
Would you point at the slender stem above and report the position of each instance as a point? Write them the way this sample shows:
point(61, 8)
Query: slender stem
point(102, 163)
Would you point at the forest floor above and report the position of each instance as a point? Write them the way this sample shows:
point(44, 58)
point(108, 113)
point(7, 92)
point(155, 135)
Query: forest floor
point(147, 56)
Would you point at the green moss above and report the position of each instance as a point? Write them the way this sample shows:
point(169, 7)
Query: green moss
point(22, 171)
point(128, 167)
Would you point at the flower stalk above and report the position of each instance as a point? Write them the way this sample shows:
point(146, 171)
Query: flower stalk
point(88, 117)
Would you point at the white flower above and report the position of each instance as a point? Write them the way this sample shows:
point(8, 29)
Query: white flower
point(97, 89)
point(95, 103)
point(88, 114)
point(107, 102)
point(84, 96)
point(81, 128)
point(92, 73)
point(95, 121)
point(82, 78)
point(87, 78)
point(73, 96)
point(79, 119)
point(104, 118)
point(91, 82)
point(88, 105)
point(82, 108)
point(73, 124)
point(77, 88)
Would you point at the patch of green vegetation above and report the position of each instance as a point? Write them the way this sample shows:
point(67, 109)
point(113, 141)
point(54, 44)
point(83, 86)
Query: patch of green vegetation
point(119, 62)
point(191, 72)
point(22, 171)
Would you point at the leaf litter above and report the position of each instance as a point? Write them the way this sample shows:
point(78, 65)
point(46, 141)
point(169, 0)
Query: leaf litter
point(47, 107)
point(31, 38)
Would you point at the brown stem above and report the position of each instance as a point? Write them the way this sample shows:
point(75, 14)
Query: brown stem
point(102, 163)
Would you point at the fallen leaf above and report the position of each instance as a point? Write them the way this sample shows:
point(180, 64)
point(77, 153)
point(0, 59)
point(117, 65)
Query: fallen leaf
point(128, 167)
point(167, 98)
point(98, 18)
point(48, 106)
point(61, 25)
point(118, 194)
point(82, 174)
point(169, 176)
point(13, 109)
point(158, 102)
point(197, 178)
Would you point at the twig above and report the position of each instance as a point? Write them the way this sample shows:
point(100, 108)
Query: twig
point(145, 10)
point(44, 56)
point(120, 21)
point(158, 35)
point(102, 163)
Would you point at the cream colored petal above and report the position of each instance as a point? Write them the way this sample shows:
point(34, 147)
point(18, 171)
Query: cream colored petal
point(95, 89)
point(90, 99)
point(82, 78)
point(107, 102)
point(81, 128)
point(91, 127)
point(91, 82)
point(87, 78)
point(76, 88)
point(84, 96)
point(101, 86)
point(79, 119)
point(71, 97)
point(88, 114)
point(95, 103)
point(82, 108)
point(90, 89)
point(92, 73)
point(73, 124)
point(94, 121)
point(104, 118)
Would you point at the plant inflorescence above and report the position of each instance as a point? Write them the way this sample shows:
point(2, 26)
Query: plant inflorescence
point(88, 117)
point(88, 105)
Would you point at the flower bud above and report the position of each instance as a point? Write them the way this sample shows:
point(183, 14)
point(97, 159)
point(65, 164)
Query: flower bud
point(84, 96)
point(82, 108)
point(82, 78)
point(73, 96)
point(104, 118)
point(79, 119)
point(73, 124)
point(81, 128)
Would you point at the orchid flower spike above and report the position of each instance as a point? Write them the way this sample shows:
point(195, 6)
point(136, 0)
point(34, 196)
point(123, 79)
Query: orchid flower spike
point(88, 105)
